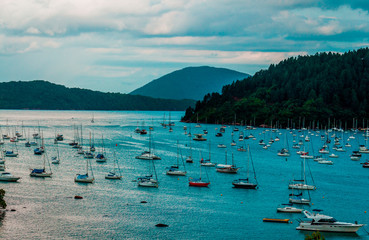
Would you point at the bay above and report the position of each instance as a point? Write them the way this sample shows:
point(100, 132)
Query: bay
point(46, 208)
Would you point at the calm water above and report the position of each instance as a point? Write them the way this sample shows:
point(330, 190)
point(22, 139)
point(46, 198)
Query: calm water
point(110, 209)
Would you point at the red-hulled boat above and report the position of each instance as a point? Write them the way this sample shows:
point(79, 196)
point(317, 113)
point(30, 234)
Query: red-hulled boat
point(197, 183)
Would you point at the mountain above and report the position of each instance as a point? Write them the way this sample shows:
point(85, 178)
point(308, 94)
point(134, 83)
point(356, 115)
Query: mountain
point(190, 83)
point(325, 88)
point(40, 94)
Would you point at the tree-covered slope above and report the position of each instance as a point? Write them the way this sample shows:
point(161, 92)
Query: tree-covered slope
point(318, 87)
point(190, 83)
point(45, 95)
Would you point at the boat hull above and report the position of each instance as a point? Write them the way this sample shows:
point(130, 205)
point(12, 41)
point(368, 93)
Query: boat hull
point(9, 179)
point(245, 185)
point(329, 227)
point(85, 180)
point(113, 177)
point(198, 184)
point(41, 175)
point(227, 170)
point(289, 210)
point(176, 173)
point(148, 184)
point(301, 187)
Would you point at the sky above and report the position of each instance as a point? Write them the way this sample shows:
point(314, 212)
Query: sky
point(120, 45)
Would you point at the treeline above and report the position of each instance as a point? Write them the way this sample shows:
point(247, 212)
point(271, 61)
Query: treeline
point(44, 95)
point(321, 87)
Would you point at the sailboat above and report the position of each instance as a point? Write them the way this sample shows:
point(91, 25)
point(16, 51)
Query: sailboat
point(227, 168)
point(197, 122)
point(284, 152)
point(207, 162)
point(174, 169)
point(56, 159)
point(85, 178)
point(149, 180)
point(115, 173)
point(301, 184)
point(41, 172)
point(148, 155)
point(245, 182)
point(189, 159)
point(100, 157)
point(198, 182)
point(89, 154)
point(13, 152)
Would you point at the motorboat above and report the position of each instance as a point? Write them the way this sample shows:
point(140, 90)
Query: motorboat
point(8, 177)
point(324, 223)
point(288, 208)
point(222, 146)
point(333, 155)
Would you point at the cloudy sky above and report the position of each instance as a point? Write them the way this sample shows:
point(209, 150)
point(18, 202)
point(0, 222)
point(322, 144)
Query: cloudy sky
point(119, 45)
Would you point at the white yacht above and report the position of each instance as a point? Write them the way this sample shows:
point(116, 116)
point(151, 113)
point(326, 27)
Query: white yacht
point(324, 223)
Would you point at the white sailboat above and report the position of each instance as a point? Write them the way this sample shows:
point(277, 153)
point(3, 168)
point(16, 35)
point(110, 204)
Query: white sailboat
point(149, 180)
point(174, 169)
point(42, 172)
point(227, 168)
point(56, 159)
point(148, 155)
point(207, 162)
point(115, 173)
point(85, 178)
point(245, 182)
point(100, 157)
point(189, 158)
point(301, 184)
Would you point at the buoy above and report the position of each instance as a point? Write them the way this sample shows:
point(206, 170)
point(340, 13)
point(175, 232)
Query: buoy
point(364, 211)
point(323, 196)
point(241, 202)
point(221, 194)
point(177, 178)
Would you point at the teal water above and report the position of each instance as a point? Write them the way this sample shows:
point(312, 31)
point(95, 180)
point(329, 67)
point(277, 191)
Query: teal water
point(45, 208)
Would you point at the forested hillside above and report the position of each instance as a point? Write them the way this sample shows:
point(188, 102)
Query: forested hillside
point(45, 95)
point(318, 87)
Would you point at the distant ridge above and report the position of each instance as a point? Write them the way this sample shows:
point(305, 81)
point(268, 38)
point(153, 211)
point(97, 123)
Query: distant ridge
point(39, 94)
point(190, 83)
